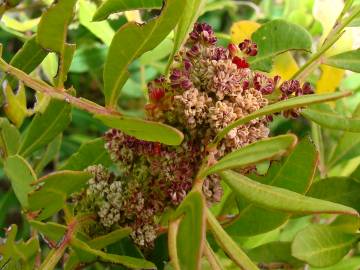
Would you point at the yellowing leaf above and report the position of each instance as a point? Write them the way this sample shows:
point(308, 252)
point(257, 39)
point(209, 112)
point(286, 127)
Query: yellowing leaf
point(330, 79)
point(15, 107)
point(284, 64)
point(18, 25)
point(243, 30)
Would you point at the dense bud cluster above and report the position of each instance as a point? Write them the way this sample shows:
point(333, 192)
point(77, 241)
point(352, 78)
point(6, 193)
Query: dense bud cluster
point(208, 88)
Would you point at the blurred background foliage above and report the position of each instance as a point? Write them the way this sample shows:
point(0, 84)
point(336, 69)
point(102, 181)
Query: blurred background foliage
point(233, 21)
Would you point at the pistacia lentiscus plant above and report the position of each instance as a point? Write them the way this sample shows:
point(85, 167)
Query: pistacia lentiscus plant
point(198, 182)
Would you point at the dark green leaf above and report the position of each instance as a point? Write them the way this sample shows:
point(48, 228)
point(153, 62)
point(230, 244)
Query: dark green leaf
point(228, 244)
point(114, 6)
point(349, 60)
point(324, 116)
point(88, 59)
point(21, 175)
point(45, 127)
point(50, 153)
point(139, 39)
point(28, 58)
point(279, 198)
point(266, 149)
point(110, 238)
point(143, 129)
point(276, 37)
point(90, 153)
point(321, 245)
point(85, 250)
point(295, 173)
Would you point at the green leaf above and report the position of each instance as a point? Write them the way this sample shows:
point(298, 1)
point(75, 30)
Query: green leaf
point(51, 196)
point(295, 173)
point(279, 198)
point(143, 129)
point(27, 58)
point(88, 59)
point(50, 153)
point(54, 231)
point(343, 190)
point(21, 175)
point(18, 254)
point(139, 39)
point(15, 106)
point(324, 116)
point(321, 245)
point(186, 22)
point(296, 102)
point(9, 138)
point(84, 249)
point(90, 153)
point(101, 30)
point(45, 127)
point(228, 244)
point(157, 54)
point(346, 264)
point(349, 60)
point(52, 34)
point(114, 6)
point(189, 249)
point(109, 239)
point(276, 37)
point(279, 252)
point(347, 146)
point(266, 149)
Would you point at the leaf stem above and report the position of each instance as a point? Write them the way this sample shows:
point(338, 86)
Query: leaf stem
point(55, 93)
point(172, 243)
point(211, 257)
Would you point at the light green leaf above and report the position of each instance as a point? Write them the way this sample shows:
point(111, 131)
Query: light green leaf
point(90, 153)
point(9, 138)
point(110, 238)
point(191, 13)
point(349, 60)
point(27, 58)
point(321, 245)
point(347, 146)
point(143, 129)
point(276, 37)
point(45, 127)
point(341, 190)
point(54, 231)
point(324, 116)
point(296, 102)
point(266, 149)
point(21, 176)
point(139, 39)
point(189, 249)
point(88, 59)
point(295, 173)
point(51, 196)
point(157, 54)
point(228, 245)
point(134, 263)
point(20, 26)
point(346, 264)
point(114, 6)
point(279, 198)
point(101, 30)
point(15, 106)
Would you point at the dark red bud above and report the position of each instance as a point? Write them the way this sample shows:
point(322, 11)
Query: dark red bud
point(156, 94)
point(233, 49)
point(240, 62)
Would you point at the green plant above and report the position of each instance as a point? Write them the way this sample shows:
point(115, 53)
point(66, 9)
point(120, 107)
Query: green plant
point(183, 184)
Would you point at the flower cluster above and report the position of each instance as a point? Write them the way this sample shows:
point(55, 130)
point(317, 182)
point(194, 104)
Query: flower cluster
point(208, 88)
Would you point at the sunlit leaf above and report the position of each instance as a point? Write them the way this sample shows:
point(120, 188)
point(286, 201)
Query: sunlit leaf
point(349, 60)
point(15, 106)
point(321, 245)
point(9, 138)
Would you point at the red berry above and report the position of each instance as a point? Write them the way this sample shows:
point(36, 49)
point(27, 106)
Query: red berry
point(240, 62)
